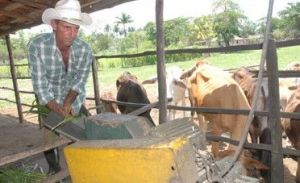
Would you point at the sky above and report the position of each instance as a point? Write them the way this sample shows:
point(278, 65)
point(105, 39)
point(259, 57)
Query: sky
point(143, 11)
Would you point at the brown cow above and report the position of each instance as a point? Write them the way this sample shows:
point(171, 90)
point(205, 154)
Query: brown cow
point(212, 87)
point(248, 83)
point(292, 126)
point(286, 85)
point(130, 90)
point(259, 130)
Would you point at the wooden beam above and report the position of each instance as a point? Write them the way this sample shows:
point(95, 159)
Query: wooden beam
point(97, 5)
point(274, 114)
point(12, 6)
point(37, 5)
point(18, 156)
point(16, 16)
point(21, 26)
point(96, 84)
point(14, 79)
point(143, 109)
point(161, 69)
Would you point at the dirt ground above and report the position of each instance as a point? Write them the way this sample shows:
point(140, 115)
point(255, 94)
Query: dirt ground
point(290, 165)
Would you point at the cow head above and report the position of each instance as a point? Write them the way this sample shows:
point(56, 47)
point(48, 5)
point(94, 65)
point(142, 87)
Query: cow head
point(124, 78)
point(241, 74)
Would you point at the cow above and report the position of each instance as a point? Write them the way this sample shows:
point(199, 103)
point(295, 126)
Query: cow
point(248, 83)
point(130, 90)
point(286, 85)
point(213, 87)
point(175, 88)
point(108, 106)
point(291, 126)
point(259, 129)
point(286, 89)
point(251, 167)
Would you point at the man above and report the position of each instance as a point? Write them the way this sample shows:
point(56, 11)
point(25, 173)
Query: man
point(60, 64)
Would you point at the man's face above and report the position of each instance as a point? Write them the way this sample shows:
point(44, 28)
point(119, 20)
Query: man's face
point(65, 32)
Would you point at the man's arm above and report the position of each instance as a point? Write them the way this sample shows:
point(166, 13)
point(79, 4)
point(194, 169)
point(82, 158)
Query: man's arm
point(38, 74)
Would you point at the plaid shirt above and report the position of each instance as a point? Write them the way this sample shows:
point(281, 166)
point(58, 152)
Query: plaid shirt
point(50, 80)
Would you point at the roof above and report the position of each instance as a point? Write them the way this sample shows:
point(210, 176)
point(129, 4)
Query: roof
point(20, 14)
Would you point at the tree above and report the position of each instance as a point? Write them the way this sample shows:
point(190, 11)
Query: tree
point(225, 5)
point(202, 29)
point(276, 27)
point(137, 41)
point(227, 23)
point(107, 28)
point(248, 28)
point(177, 32)
point(123, 20)
point(291, 20)
point(116, 29)
point(19, 43)
point(150, 30)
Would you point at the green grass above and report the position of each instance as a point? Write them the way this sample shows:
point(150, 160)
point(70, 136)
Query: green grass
point(107, 76)
point(18, 175)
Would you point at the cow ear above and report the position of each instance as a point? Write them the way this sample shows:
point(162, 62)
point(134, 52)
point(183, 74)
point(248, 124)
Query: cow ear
point(200, 62)
point(179, 83)
point(293, 87)
point(150, 81)
point(204, 78)
point(236, 75)
point(117, 83)
point(188, 73)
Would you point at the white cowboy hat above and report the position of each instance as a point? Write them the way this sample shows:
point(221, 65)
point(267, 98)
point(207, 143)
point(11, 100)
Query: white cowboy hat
point(68, 11)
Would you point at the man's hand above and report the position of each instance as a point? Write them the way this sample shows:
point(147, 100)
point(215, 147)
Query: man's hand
point(68, 110)
point(68, 102)
point(55, 107)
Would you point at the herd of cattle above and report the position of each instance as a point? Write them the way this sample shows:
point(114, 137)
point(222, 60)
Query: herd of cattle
point(209, 86)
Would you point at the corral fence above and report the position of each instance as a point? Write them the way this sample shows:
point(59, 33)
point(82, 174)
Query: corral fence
point(272, 73)
point(274, 115)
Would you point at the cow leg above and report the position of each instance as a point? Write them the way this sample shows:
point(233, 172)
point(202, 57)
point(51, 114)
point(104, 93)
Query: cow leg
point(183, 104)
point(174, 111)
point(192, 104)
point(215, 146)
point(169, 114)
point(254, 130)
point(298, 171)
point(237, 132)
point(202, 123)
point(265, 156)
point(297, 147)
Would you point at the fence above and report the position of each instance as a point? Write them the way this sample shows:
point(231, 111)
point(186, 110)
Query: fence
point(273, 74)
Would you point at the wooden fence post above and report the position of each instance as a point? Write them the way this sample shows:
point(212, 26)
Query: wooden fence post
point(96, 85)
point(274, 115)
point(161, 70)
point(14, 78)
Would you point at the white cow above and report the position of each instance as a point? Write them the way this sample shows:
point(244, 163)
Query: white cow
point(176, 88)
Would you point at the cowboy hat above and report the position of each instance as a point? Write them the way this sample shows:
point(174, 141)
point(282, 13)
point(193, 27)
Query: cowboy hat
point(68, 11)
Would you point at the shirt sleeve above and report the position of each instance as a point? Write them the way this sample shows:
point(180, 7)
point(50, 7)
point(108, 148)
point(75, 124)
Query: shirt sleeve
point(79, 81)
point(38, 73)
